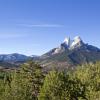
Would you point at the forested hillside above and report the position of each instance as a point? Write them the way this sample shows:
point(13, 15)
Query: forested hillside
point(30, 82)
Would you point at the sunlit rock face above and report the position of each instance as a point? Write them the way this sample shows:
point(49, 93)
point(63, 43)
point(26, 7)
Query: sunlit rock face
point(69, 44)
point(77, 42)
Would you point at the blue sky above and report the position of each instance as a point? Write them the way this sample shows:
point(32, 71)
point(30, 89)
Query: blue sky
point(36, 26)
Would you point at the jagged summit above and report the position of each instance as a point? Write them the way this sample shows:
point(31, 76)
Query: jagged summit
point(77, 39)
point(69, 44)
point(76, 42)
point(67, 41)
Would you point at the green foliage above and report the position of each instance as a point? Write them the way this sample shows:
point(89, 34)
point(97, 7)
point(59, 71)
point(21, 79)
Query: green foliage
point(33, 78)
point(23, 84)
point(60, 86)
point(89, 74)
point(29, 83)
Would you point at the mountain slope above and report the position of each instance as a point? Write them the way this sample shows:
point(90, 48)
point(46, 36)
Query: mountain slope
point(70, 53)
point(13, 60)
point(13, 57)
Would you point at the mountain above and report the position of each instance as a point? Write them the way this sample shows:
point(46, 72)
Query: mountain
point(15, 57)
point(13, 60)
point(66, 56)
point(69, 53)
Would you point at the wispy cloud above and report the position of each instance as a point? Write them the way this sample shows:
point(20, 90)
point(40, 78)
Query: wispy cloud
point(12, 35)
point(42, 25)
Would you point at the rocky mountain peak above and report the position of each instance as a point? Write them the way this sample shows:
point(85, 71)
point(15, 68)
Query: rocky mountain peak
point(67, 41)
point(77, 41)
point(69, 44)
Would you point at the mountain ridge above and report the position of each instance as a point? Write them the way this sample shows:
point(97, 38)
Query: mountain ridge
point(70, 53)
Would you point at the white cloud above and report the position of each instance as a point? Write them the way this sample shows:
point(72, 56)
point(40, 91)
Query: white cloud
point(43, 25)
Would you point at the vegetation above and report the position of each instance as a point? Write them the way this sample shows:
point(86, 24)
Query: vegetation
point(31, 83)
point(60, 86)
point(23, 84)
